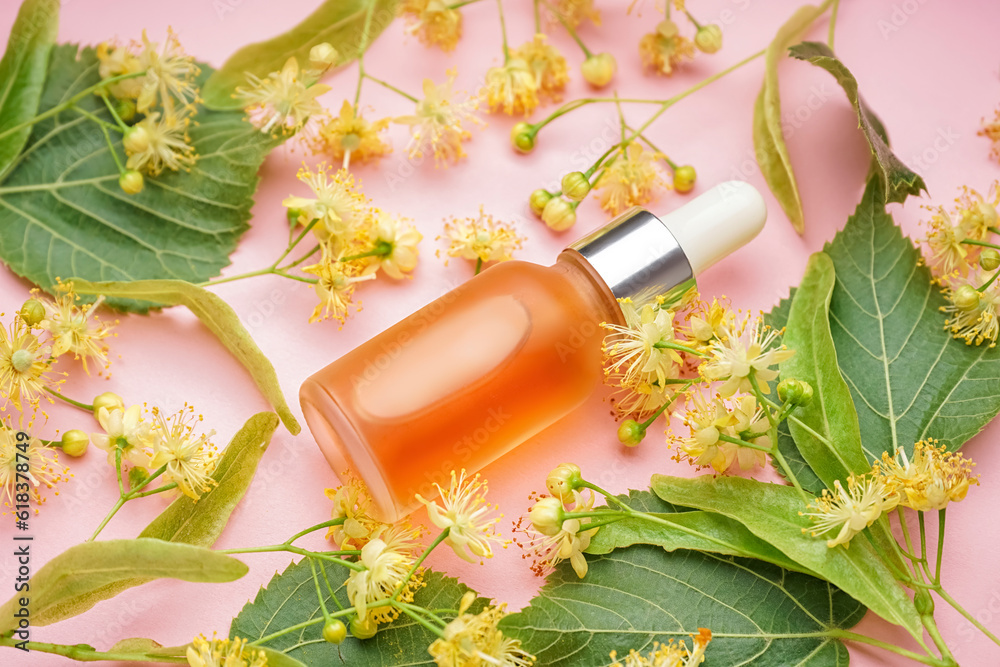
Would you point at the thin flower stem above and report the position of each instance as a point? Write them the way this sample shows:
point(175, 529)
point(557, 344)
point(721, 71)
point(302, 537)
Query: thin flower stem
point(744, 443)
point(989, 282)
point(329, 556)
point(833, 24)
point(940, 546)
point(847, 635)
point(302, 259)
point(930, 625)
point(621, 120)
point(156, 473)
point(111, 149)
point(118, 472)
point(312, 529)
point(104, 123)
point(479, 265)
point(463, 3)
point(780, 458)
point(76, 404)
point(584, 101)
point(416, 617)
point(666, 158)
point(668, 345)
point(915, 562)
point(298, 239)
point(649, 422)
point(365, 36)
point(84, 653)
point(503, 32)
point(569, 28)
point(326, 580)
point(752, 377)
point(538, 16)
point(985, 244)
point(693, 20)
point(433, 545)
point(391, 87)
point(319, 593)
point(923, 537)
point(609, 496)
point(381, 248)
point(114, 510)
point(114, 114)
point(432, 615)
point(166, 487)
point(291, 276)
point(590, 171)
point(969, 617)
point(241, 276)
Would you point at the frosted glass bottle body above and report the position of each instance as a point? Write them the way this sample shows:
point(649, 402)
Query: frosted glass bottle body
point(462, 381)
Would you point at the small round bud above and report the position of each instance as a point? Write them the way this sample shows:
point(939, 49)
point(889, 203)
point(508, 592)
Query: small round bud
point(136, 140)
point(547, 516)
point(684, 178)
point(989, 259)
point(125, 108)
point(923, 602)
point(539, 198)
point(136, 476)
point(563, 480)
point(365, 629)
point(108, 400)
point(575, 185)
point(559, 214)
point(22, 360)
point(966, 298)
point(131, 182)
point(522, 136)
point(32, 312)
point(74, 443)
point(789, 390)
point(667, 28)
point(323, 55)
point(631, 433)
point(334, 631)
point(708, 39)
point(599, 69)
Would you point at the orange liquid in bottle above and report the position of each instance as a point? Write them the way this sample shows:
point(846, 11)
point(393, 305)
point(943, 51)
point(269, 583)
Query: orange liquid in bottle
point(463, 380)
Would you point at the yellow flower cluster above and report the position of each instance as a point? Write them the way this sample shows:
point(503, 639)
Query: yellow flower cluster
point(433, 22)
point(285, 100)
point(440, 122)
point(671, 654)
point(473, 640)
point(481, 239)
point(718, 425)
point(991, 130)
point(43, 472)
point(631, 178)
point(224, 653)
point(551, 536)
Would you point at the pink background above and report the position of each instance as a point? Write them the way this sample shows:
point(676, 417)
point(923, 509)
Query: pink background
point(926, 67)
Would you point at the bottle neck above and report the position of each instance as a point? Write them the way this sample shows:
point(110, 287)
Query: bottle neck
point(590, 286)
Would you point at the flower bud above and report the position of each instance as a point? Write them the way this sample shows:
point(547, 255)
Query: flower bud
point(323, 55)
point(564, 480)
point(599, 69)
point(631, 433)
point(667, 28)
point(708, 39)
point(795, 392)
point(966, 298)
point(22, 360)
point(136, 140)
point(136, 476)
point(547, 516)
point(125, 108)
point(109, 400)
point(131, 182)
point(365, 629)
point(575, 185)
point(923, 602)
point(294, 216)
point(334, 631)
point(989, 260)
point(539, 198)
point(522, 136)
point(74, 443)
point(559, 214)
point(32, 312)
point(684, 178)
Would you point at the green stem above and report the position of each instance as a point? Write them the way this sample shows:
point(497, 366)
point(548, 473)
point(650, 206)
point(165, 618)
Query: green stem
point(114, 510)
point(908, 542)
point(780, 458)
point(433, 545)
point(479, 265)
point(538, 16)
point(333, 593)
point(930, 625)
point(381, 248)
point(569, 28)
point(291, 276)
point(84, 653)
point(596, 165)
point(76, 404)
point(104, 123)
point(365, 36)
point(312, 529)
point(969, 617)
point(669, 345)
point(166, 487)
point(156, 473)
point(985, 244)
point(610, 497)
point(391, 87)
point(114, 114)
point(118, 472)
point(111, 149)
point(302, 259)
point(989, 282)
point(666, 158)
point(940, 546)
point(744, 443)
point(693, 20)
point(833, 24)
point(433, 628)
point(503, 32)
point(649, 422)
point(847, 635)
point(319, 593)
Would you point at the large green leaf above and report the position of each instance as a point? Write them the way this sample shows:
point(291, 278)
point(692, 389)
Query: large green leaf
point(687, 529)
point(898, 180)
point(908, 377)
point(338, 22)
point(215, 314)
point(80, 577)
point(22, 73)
point(826, 430)
point(290, 598)
point(201, 522)
point(772, 512)
point(759, 614)
point(63, 214)
point(768, 137)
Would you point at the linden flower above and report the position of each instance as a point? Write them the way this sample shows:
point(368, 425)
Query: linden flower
point(433, 22)
point(576, 11)
point(466, 515)
point(335, 285)
point(117, 61)
point(664, 49)
point(707, 323)
point(474, 639)
point(42, 467)
point(169, 78)
point(396, 242)
point(24, 365)
point(972, 315)
point(568, 542)
point(339, 209)
point(744, 349)
point(124, 430)
point(349, 136)
point(438, 122)
point(482, 238)
point(282, 101)
point(224, 653)
point(548, 65)
point(991, 131)
point(387, 561)
point(511, 88)
point(351, 503)
point(712, 418)
point(76, 329)
point(189, 459)
point(852, 510)
point(643, 347)
point(671, 654)
point(166, 145)
point(630, 179)
point(948, 255)
point(929, 480)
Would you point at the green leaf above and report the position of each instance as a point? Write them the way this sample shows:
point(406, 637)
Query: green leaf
point(909, 378)
point(341, 23)
point(898, 180)
point(826, 431)
point(689, 529)
point(63, 214)
point(200, 523)
point(80, 577)
point(215, 314)
point(772, 512)
point(768, 137)
point(759, 614)
point(290, 599)
point(22, 73)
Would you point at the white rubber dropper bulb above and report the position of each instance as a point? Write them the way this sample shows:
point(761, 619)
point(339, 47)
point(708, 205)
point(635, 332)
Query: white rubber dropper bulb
point(717, 223)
